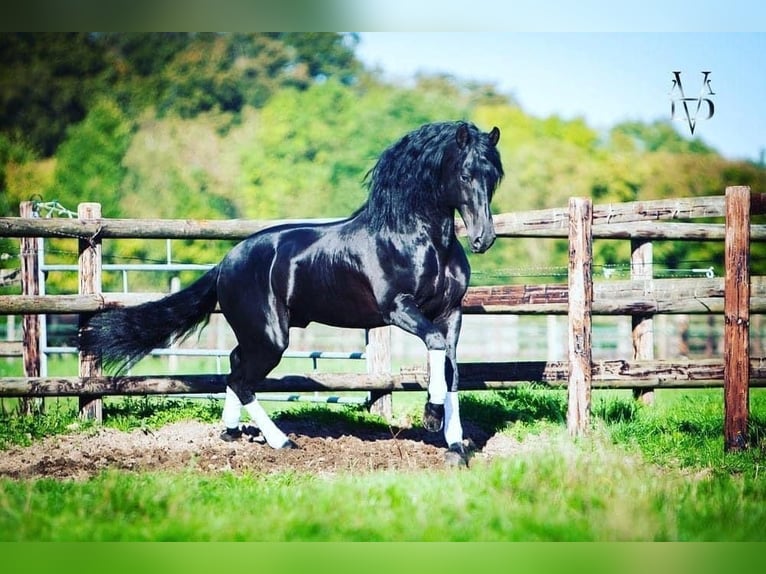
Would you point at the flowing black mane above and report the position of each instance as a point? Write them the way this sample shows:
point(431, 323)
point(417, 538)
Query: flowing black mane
point(409, 174)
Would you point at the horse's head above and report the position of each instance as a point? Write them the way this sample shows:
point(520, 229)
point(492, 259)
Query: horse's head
point(470, 179)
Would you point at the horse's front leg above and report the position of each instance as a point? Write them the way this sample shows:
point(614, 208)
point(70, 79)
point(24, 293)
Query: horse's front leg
point(441, 409)
point(406, 315)
point(453, 429)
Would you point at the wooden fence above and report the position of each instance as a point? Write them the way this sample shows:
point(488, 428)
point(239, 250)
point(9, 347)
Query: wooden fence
point(736, 296)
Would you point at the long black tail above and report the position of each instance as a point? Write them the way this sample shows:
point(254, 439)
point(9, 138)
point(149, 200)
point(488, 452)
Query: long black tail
point(124, 335)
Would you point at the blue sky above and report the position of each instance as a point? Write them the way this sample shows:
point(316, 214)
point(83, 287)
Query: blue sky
point(603, 77)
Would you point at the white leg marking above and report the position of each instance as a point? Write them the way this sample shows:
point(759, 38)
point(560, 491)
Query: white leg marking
point(437, 384)
point(275, 437)
point(232, 409)
point(453, 430)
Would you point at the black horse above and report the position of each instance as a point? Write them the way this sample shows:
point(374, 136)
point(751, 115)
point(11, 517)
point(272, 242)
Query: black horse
point(396, 261)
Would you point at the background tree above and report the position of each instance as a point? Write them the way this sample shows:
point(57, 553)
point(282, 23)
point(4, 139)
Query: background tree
point(47, 82)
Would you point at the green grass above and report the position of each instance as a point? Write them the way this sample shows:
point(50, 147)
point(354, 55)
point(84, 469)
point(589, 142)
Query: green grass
point(568, 492)
point(685, 429)
point(643, 473)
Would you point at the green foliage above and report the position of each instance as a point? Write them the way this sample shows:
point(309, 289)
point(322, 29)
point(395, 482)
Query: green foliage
point(14, 153)
point(494, 411)
point(47, 83)
point(654, 137)
point(89, 162)
point(50, 81)
point(23, 430)
point(314, 147)
point(146, 412)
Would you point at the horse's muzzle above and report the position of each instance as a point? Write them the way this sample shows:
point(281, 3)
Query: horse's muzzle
point(481, 243)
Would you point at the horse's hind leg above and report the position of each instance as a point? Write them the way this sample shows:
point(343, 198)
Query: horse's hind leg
point(232, 406)
point(246, 368)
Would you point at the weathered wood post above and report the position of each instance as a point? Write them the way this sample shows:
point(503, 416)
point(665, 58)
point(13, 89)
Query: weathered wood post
point(30, 285)
point(736, 318)
point(641, 259)
point(378, 353)
point(580, 310)
point(89, 273)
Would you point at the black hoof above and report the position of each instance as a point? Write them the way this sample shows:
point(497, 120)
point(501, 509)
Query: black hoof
point(231, 434)
point(289, 445)
point(457, 455)
point(433, 417)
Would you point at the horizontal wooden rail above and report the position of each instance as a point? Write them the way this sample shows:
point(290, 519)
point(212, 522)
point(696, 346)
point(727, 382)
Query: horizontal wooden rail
point(70, 304)
point(11, 348)
point(638, 230)
point(612, 297)
point(137, 228)
point(613, 374)
point(609, 220)
point(660, 219)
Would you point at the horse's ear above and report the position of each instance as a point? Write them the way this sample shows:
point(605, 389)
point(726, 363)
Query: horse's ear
point(461, 136)
point(494, 136)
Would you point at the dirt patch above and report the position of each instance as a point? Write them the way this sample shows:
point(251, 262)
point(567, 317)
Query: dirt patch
point(193, 445)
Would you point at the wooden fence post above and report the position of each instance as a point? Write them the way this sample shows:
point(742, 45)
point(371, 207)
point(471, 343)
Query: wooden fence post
point(378, 354)
point(580, 309)
point(736, 318)
point(89, 273)
point(641, 259)
point(30, 285)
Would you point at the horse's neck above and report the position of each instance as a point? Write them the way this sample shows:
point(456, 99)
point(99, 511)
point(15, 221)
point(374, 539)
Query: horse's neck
point(438, 231)
point(444, 234)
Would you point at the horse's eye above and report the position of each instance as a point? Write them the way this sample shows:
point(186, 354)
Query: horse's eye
point(465, 178)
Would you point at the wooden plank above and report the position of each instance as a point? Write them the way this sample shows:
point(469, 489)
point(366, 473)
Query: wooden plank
point(11, 349)
point(479, 299)
point(89, 276)
point(612, 374)
point(233, 229)
point(556, 220)
point(613, 297)
point(659, 210)
point(580, 301)
point(650, 219)
point(510, 226)
point(683, 295)
point(70, 304)
point(667, 296)
point(737, 318)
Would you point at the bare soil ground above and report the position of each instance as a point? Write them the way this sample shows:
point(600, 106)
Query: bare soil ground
point(192, 445)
